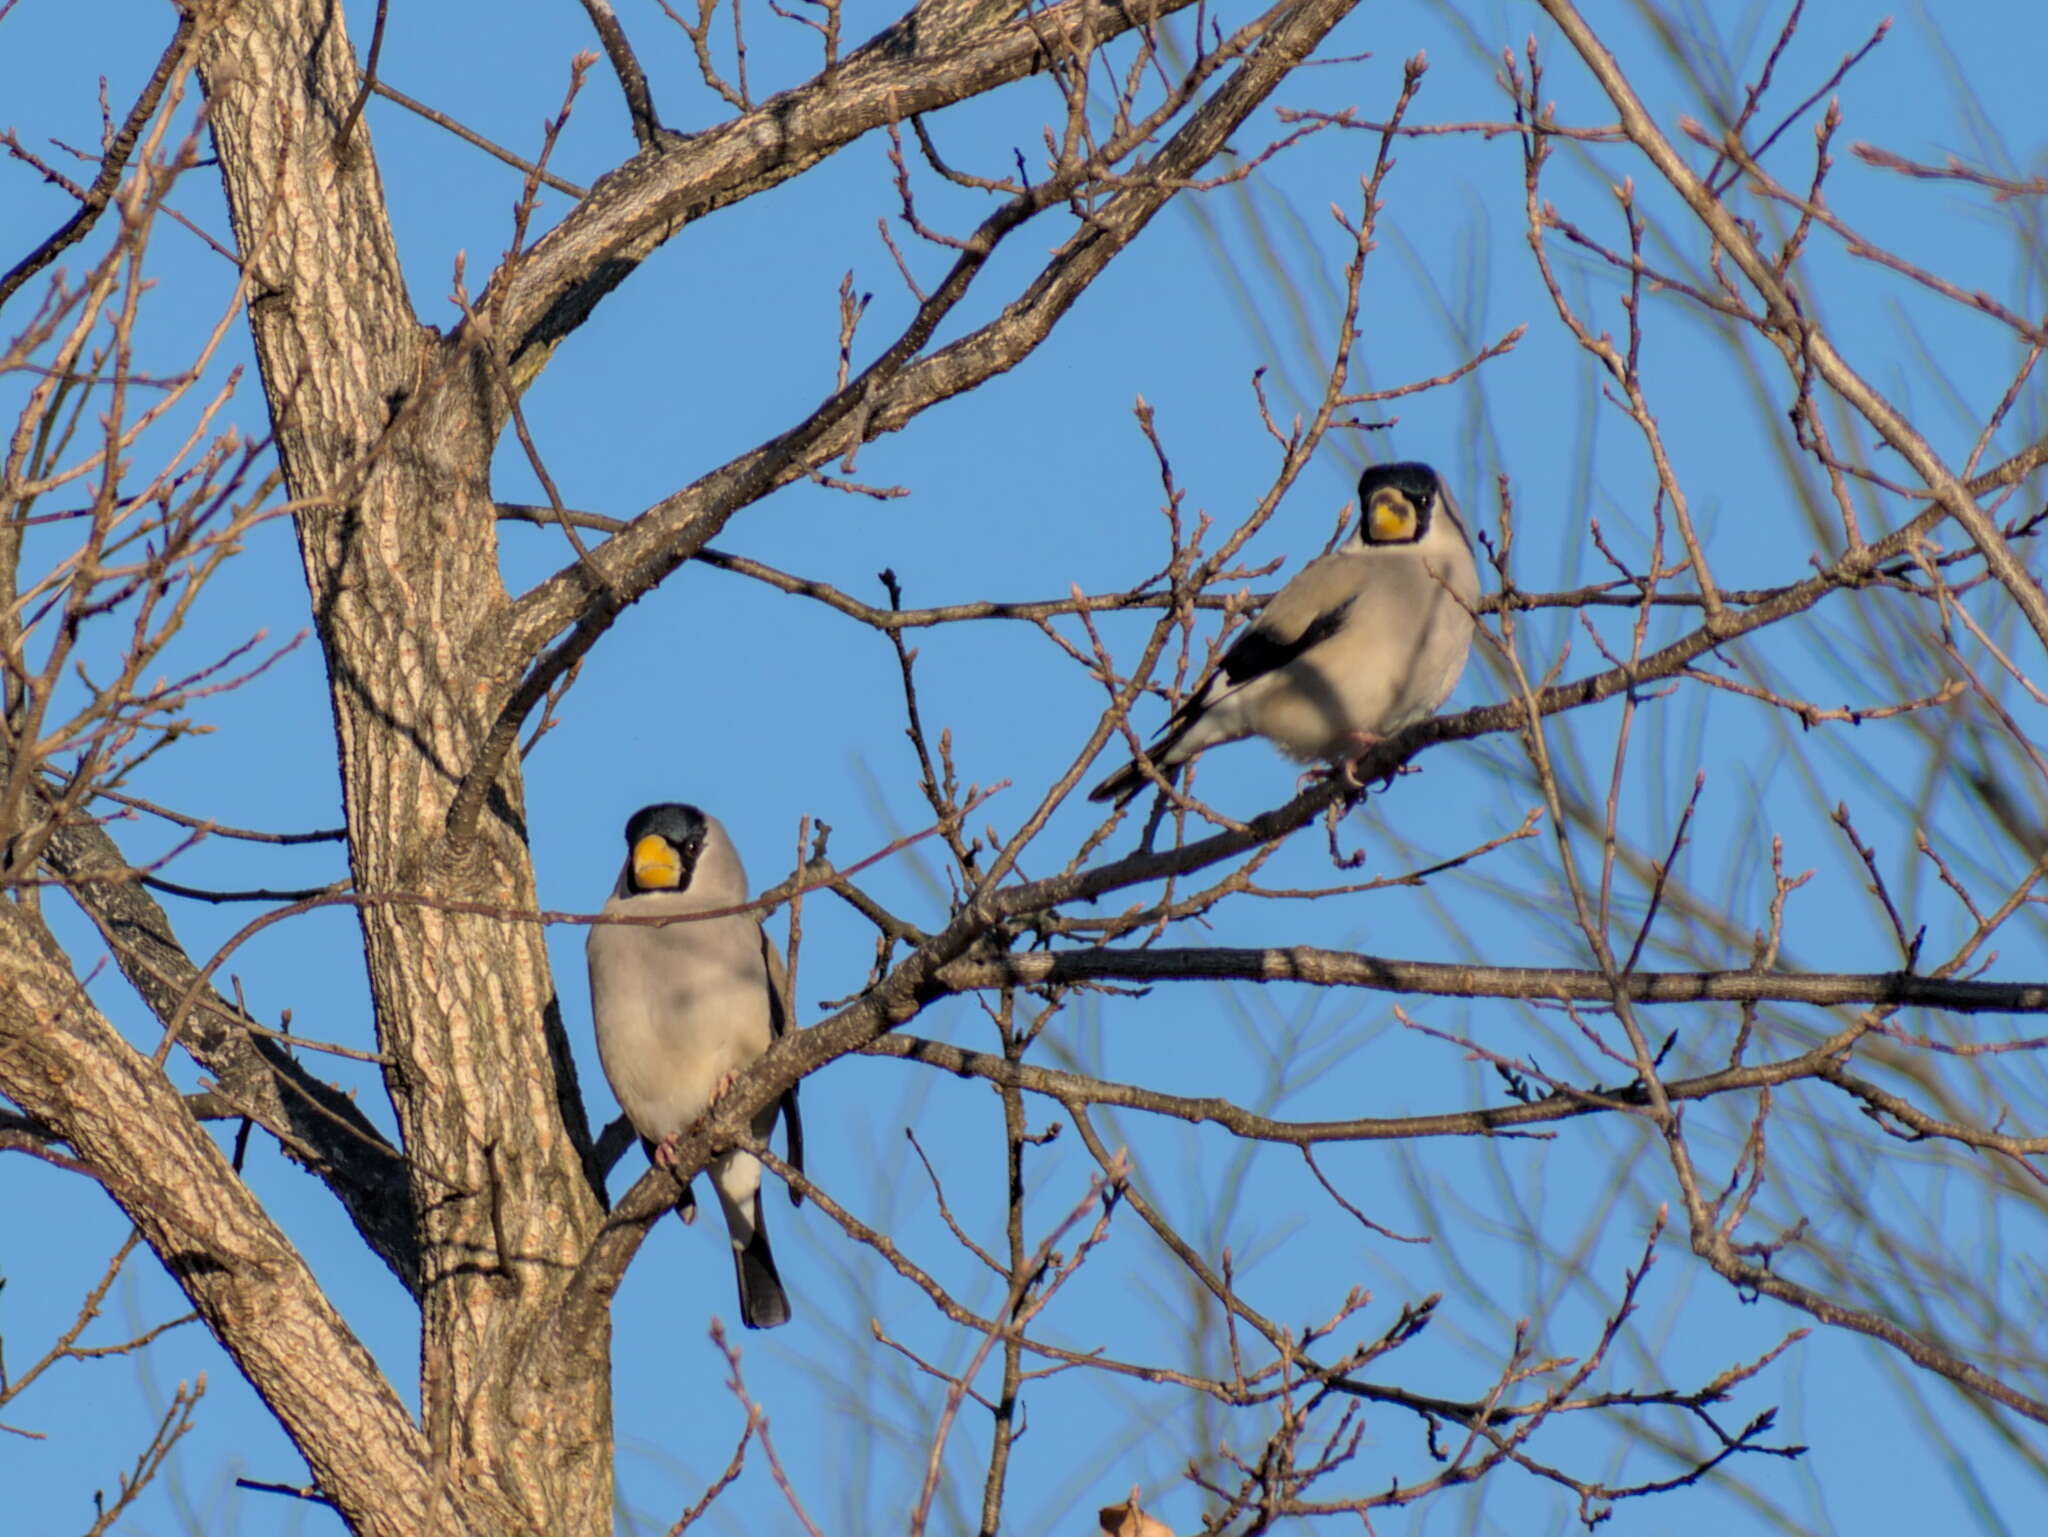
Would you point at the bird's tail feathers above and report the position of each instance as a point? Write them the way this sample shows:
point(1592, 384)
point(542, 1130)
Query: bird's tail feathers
point(763, 1302)
point(1131, 778)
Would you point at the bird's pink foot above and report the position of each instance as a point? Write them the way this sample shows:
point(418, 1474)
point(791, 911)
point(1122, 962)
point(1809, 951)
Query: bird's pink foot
point(664, 1157)
point(724, 1086)
point(1345, 754)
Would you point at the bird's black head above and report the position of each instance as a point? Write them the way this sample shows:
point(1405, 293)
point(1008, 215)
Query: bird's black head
point(1396, 502)
point(663, 843)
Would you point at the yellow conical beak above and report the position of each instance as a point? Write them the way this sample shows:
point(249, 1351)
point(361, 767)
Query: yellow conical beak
point(656, 864)
point(1390, 519)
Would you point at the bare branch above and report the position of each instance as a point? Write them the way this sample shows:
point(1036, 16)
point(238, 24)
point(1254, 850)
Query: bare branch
point(93, 199)
point(626, 65)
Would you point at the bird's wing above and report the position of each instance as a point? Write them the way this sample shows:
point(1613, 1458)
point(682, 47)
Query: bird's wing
point(1304, 613)
point(780, 1008)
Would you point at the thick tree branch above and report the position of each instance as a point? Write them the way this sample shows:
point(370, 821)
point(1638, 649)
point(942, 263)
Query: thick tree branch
point(909, 67)
point(314, 1122)
point(68, 1069)
point(1337, 968)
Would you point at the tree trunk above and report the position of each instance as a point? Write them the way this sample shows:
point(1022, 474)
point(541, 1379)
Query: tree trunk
point(385, 432)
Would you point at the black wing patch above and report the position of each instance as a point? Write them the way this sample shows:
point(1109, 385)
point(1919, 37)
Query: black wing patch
point(1256, 653)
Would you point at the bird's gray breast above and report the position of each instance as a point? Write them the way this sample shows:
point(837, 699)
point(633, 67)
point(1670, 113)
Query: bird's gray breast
point(676, 1009)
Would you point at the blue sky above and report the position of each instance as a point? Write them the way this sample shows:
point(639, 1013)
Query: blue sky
point(763, 708)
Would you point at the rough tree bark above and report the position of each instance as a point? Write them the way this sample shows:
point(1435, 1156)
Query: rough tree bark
point(385, 433)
